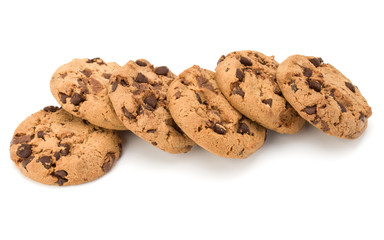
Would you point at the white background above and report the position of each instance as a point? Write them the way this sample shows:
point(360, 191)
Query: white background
point(304, 186)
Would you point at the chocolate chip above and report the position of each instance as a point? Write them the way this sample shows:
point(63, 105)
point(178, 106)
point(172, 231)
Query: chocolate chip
point(294, 87)
point(220, 129)
point(177, 95)
point(60, 177)
point(163, 70)
point(350, 86)
point(127, 114)
point(245, 61)
point(87, 72)
point(40, 134)
point(307, 72)
point(141, 78)
point(83, 86)
point(114, 86)
point(239, 75)
point(76, 99)
point(109, 160)
point(151, 130)
point(46, 161)
point(26, 161)
point(198, 98)
point(24, 150)
point(21, 138)
point(362, 117)
point(267, 101)
point(63, 97)
point(243, 128)
point(51, 109)
point(238, 91)
point(204, 83)
point(220, 59)
point(56, 155)
point(151, 102)
point(315, 85)
point(96, 60)
point(65, 151)
point(154, 143)
point(342, 108)
point(310, 110)
point(107, 75)
point(324, 126)
point(141, 63)
point(316, 61)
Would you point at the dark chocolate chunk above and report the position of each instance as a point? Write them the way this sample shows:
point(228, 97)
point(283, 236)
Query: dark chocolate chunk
point(163, 70)
point(151, 102)
point(239, 75)
point(267, 101)
point(154, 143)
point(76, 99)
point(294, 87)
point(307, 72)
point(342, 108)
point(24, 150)
point(324, 126)
point(238, 91)
point(220, 59)
point(198, 98)
point(316, 61)
point(107, 75)
point(141, 63)
point(151, 130)
point(96, 60)
point(127, 114)
point(109, 160)
point(220, 129)
point(87, 72)
point(65, 151)
point(21, 138)
point(362, 117)
point(177, 95)
point(243, 128)
point(26, 161)
point(114, 86)
point(350, 86)
point(46, 161)
point(40, 134)
point(204, 83)
point(60, 177)
point(51, 109)
point(315, 85)
point(245, 61)
point(310, 110)
point(141, 78)
point(63, 97)
point(56, 155)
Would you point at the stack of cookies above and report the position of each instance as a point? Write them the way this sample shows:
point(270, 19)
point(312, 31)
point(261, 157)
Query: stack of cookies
point(225, 112)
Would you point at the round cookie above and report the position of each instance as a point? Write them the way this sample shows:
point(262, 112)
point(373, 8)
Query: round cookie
point(80, 87)
point(323, 96)
point(248, 80)
point(54, 147)
point(202, 112)
point(138, 94)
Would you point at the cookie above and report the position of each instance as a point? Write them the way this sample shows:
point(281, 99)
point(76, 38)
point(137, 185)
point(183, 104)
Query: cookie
point(248, 81)
point(202, 112)
point(80, 87)
point(138, 94)
point(323, 96)
point(54, 147)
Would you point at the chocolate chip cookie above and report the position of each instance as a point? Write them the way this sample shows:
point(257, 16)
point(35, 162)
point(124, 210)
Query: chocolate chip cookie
point(54, 147)
point(80, 87)
point(138, 93)
point(323, 96)
point(202, 112)
point(248, 80)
